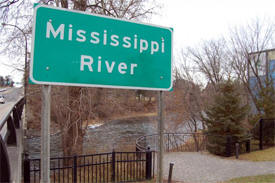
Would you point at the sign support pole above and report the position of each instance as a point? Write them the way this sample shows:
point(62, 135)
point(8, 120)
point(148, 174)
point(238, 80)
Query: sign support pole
point(45, 134)
point(160, 139)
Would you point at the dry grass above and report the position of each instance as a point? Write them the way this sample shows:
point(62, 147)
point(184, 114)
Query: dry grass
point(254, 179)
point(264, 155)
point(190, 144)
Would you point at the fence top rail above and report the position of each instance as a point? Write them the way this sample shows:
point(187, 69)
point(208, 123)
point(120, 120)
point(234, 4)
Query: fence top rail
point(132, 152)
point(168, 133)
point(141, 138)
point(263, 119)
point(4, 119)
point(88, 155)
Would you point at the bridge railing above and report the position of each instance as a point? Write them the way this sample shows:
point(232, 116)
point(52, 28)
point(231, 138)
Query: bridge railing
point(8, 125)
point(173, 142)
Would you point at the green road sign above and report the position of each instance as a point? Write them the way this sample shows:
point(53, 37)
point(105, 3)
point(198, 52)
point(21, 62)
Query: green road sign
point(79, 49)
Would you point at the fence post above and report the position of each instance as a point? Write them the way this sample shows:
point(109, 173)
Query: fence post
point(148, 164)
point(274, 132)
point(137, 149)
point(261, 135)
point(170, 172)
point(228, 146)
point(75, 170)
point(113, 166)
point(237, 146)
point(138, 154)
point(247, 146)
point(26, 170)
point(196, 142)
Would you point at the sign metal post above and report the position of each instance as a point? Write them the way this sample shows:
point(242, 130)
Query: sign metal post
point(160, 139)
point(45, 134)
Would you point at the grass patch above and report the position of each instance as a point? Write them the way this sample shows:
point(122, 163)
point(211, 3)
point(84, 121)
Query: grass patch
point(254, 179)
point(264, 155)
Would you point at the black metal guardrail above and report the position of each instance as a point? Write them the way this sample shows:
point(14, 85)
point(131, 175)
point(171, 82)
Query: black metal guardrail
point(105, 167)
point(191, 142)
point(263, 133)
point(10, 122)
point(260, 137)
point(173, 142)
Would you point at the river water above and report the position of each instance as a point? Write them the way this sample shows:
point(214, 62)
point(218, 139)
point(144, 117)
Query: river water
point(118, 135)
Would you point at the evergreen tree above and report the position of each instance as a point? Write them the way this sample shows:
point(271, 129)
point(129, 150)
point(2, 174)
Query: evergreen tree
point(266, 104)
point(266, 100)
point(224, 119)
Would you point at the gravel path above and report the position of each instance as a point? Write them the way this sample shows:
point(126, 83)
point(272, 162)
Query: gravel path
point(196, 167)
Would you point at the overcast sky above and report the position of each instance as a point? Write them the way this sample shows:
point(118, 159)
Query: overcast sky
point(197, 20)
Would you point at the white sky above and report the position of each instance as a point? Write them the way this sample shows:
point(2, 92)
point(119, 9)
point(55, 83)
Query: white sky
point(197, 20)
point(7, 70)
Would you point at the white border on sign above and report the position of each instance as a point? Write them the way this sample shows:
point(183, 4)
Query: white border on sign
point(95, 85)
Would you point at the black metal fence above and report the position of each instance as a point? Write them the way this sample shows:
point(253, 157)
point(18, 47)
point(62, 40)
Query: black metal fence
point(174, 142)
point(105, 167)
point(263, 134)
point(260, 137)
point(194, 142)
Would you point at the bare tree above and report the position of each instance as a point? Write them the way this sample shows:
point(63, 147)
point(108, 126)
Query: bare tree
point(248, 57)
point(15, 32)
point(5, 7)
point(7, 3)
point(194, 103)
point(206, 63)
point(211, 59)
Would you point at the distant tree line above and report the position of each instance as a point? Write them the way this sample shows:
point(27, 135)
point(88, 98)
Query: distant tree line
point(6, 81)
